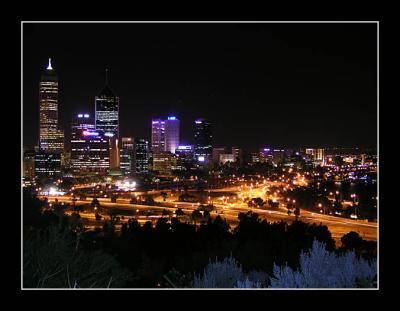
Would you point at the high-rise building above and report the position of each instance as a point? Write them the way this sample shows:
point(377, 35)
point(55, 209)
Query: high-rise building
point(51, 137)
point(107, 111)
point(185, 157)
point(157, 135)
point(162, 162)
point(203, 141)
point(237, 154)
point(255, 157)
point(28, 171)
point(141, 156)
point(47, 164)
point(226, 157)
point(216, 152)
point(320, 154)
point(90, 153)
point(265, 155)
point(171, 134)
point(81, 122)
point(126, 156)
point(278, 156)
point(317, 156)
point(114, 153)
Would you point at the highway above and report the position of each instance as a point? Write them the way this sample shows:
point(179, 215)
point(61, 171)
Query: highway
point(338, 226)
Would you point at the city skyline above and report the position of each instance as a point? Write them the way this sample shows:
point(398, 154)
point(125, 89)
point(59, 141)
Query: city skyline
point(267, 125)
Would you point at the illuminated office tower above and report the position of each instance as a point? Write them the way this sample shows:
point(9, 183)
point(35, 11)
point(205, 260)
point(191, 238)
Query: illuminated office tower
point(114, 153)
point(278, 156)
point(47, 164)
point(317, 156)
point(320, 156)
point(107, 111)
point(162, 163)
point(141, 156)
point(51, 137)
point(216, 152)
point(185, 157)
point(90, 153)
point(126, 155)
point(171, 134)
point(202, 141)
point(157, 135)
point(237, 154)
point(80, 123)
point(226, 157)
point(28, 171)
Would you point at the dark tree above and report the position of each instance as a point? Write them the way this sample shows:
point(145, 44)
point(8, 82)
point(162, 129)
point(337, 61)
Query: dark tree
point(351, 240)
point(164, 195)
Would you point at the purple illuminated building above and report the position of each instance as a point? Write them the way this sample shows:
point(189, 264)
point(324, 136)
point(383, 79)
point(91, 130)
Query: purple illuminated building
point(157, 135)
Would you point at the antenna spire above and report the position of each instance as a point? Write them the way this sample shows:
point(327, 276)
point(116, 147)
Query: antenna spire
point(106, 76)
point(49, 65)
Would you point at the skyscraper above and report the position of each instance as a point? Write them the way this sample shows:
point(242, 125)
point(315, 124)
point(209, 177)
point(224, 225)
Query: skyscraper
point(185, 157)
point(216, 153)
point(162, 163)
point(47, 164)
point(126, 156)
point(157, 135)
point(51, 138)
point(171, 134)
point(202, 141)
point(90, 153)
point(80, 123)
point(28, 171)
point(141, 156)
point(107, 111)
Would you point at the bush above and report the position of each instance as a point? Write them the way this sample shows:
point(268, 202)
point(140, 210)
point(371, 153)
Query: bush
point(321, 269)
point(52, 259)
point(227, 274)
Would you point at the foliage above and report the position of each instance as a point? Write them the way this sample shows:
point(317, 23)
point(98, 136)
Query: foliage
point(179, 212)
point(227, 273)
point(52, 259)
point(164, 195)
point(320, 269)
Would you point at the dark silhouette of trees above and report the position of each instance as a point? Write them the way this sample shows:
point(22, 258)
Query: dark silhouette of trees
point(296, 213)
point(351, 240)
point(149, 200)
point(256, 202)
point(95, 203)
point(165, 213)
point(114, 198)
point(52, 259)
point(98, 216)
point(150, 252)
point(164, 195)
point(196, 216)
point(133, 200)
point(179, 212)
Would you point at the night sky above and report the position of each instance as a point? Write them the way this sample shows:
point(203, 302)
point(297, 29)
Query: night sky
point(278, 85)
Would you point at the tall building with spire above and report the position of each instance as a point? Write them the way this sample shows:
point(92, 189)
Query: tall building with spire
point(107, 120)
point(51, 137)
point(107, 111)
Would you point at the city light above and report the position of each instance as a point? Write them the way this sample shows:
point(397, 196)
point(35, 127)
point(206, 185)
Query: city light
point(88, 133)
